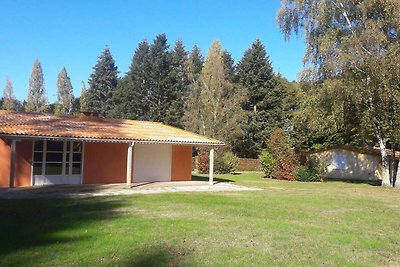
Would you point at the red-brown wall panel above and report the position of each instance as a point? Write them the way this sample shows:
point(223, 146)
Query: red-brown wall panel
point(181, 169)
point(105, 163)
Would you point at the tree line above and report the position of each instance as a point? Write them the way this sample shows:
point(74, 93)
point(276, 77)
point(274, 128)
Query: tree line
point(239, 103)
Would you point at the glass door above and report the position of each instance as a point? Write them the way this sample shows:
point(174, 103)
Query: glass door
point(57, 162)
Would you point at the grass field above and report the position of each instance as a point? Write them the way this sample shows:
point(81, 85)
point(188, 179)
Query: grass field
point(286, 224)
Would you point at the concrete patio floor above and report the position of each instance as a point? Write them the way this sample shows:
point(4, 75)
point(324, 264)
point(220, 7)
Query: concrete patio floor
point(54, 191)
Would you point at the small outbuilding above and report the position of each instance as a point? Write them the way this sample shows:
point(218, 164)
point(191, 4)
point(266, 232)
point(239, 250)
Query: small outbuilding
point(349, 163)
point(47, 149)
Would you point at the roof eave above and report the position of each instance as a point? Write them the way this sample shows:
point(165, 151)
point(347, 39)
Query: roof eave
point(109, 140)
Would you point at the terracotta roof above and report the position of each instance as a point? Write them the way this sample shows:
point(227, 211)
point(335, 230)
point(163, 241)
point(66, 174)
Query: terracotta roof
point(23, 124)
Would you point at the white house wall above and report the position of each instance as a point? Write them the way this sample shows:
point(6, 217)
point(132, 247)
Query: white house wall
point(152, 163)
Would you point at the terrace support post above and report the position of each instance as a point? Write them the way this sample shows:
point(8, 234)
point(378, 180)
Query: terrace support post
point(211, 168)
point(12, 163)
point(129, 165)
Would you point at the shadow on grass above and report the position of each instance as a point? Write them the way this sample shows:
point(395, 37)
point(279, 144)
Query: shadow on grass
point(354, 181)
point(163, 255)
point(34, 223)
point(216, 179)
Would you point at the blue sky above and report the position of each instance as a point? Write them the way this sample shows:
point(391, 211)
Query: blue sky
point(73, 34)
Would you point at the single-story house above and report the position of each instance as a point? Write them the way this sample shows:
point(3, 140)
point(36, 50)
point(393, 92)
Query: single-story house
point(349, 163)
point(47, 149)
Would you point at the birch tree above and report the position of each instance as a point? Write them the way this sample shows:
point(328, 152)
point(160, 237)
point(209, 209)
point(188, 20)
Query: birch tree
point(352, 40)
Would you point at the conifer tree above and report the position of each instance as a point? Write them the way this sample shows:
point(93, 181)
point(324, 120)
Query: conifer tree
point(161, 85)
point(265, 110)
point(64, 93)
point(37, 100)
point(83, 101)
point(9, 101)
point(131, 95)
point(102, 84)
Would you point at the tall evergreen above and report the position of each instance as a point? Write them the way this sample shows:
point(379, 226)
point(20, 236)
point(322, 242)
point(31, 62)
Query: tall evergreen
point(194, 64)
point(161, 85)
point(9, 101)
point(102, 84)
point(64, 93)
point(180, 85)
point(83, 101)
point(131, 96)
point(37, 100)
point(265, 103)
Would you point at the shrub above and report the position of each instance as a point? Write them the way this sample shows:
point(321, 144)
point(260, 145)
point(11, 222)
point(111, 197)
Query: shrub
point(231, 161)
point(284, 170)
point(202, 162)
point(227, 163)
point(307, 174)
point(267, 162)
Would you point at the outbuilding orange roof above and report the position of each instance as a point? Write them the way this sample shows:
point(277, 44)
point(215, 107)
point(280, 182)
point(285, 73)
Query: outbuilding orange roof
point(84, 127)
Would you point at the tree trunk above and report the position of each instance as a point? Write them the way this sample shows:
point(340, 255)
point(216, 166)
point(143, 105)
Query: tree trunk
point(397, 180)
point(385, 162)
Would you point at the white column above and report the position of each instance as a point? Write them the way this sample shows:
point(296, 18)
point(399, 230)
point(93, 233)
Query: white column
point(211, 167)
point(12, 163)
point(129, 165)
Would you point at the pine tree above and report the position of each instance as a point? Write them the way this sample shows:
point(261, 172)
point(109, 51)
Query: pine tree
point(131, 95)
point(180, 85)
point(64, 93)
point(83, 101)
point(37, 100)
point(161, 85)
point(102, 84)
point(194, 64)
point(9, 101)
point(214, 105)
point(229, 65)
point(264, 107)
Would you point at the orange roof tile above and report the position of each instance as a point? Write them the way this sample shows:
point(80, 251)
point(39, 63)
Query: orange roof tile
point(14, 123)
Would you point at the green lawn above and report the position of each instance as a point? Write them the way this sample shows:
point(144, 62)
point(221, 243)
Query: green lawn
point(286, 224)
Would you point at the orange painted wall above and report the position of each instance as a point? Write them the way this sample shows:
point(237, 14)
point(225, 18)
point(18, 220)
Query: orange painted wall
point(23, 166)
point(181, 169)
point(23, 158)
point(5, 153)
point(105, 163)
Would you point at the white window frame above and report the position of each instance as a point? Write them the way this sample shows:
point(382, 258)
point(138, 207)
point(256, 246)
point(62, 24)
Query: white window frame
point(67, 158)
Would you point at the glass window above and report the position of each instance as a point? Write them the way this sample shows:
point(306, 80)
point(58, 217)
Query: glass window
point(38, 145)
point(37, 168)
point(76, 168)
point(54, 157)
point(55, 146)
point(38, 156)
point(77, 147)
point(53, 168)
point(76, 157)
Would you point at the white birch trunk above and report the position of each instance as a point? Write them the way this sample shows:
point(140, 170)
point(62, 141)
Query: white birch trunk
point(397, 183)
point(385, 162)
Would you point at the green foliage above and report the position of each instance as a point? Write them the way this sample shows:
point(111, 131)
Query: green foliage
point(307, 174)
point(267, 162)
point(9, 100)
point(265, 106)
point(37, 100)
point(227, 163)
point(64, 93)
point(213, 106)
point(102, 84)
point(83, 101)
